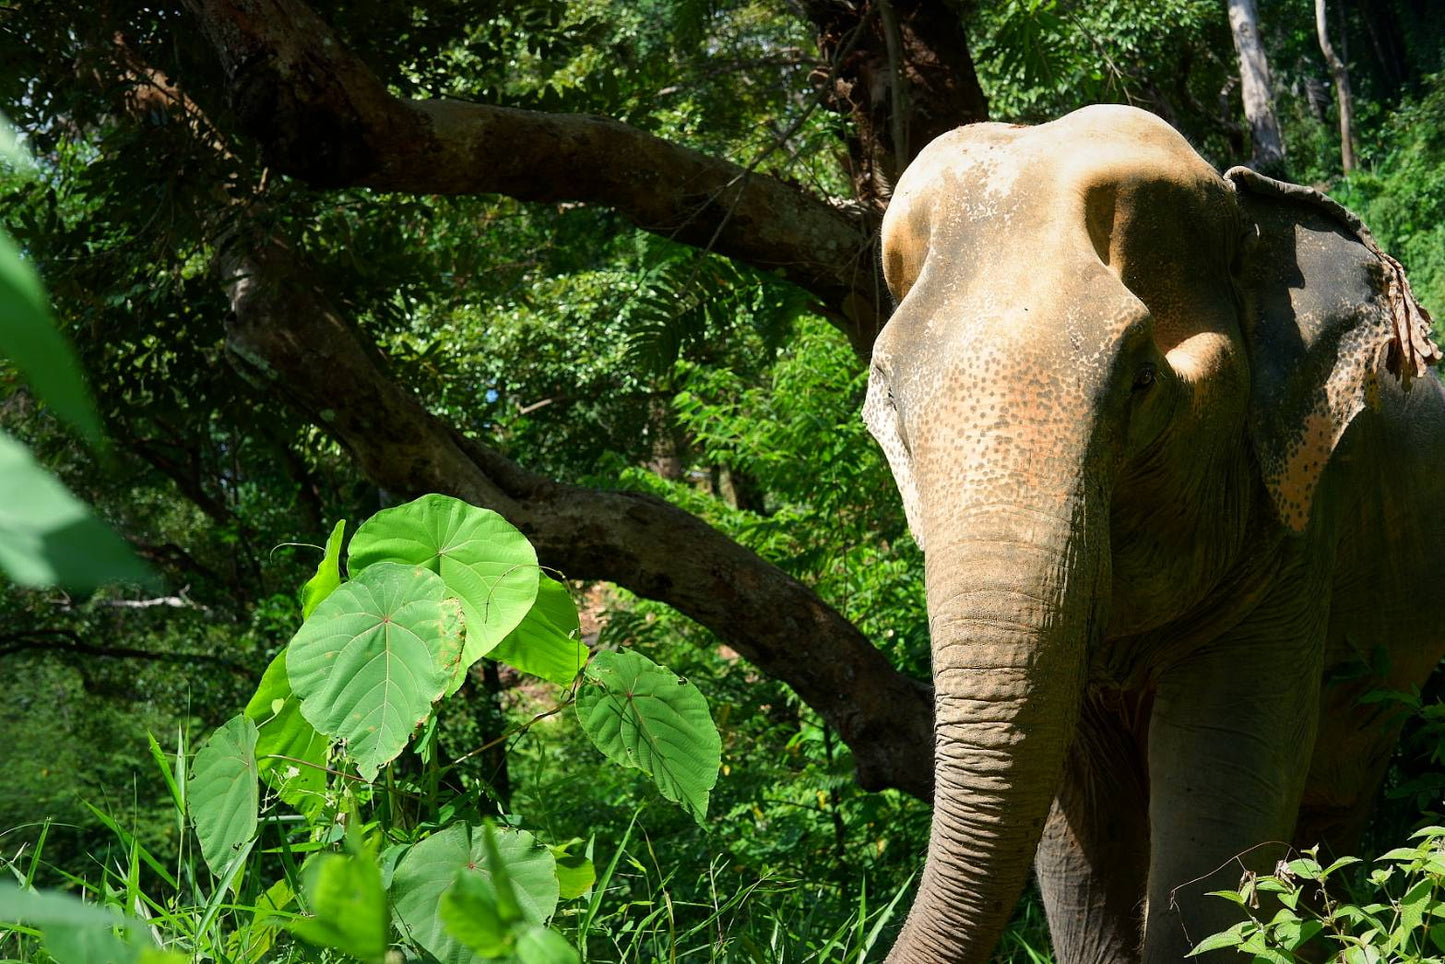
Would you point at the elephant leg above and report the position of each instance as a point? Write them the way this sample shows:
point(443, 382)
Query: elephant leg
point(1230, 741)
point(1351, 756)
point(1093, 859)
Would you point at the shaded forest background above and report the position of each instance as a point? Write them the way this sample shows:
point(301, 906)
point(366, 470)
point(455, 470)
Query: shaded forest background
point(487, 328)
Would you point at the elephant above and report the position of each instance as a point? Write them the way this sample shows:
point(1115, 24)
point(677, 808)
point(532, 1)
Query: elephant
point(1171, 445)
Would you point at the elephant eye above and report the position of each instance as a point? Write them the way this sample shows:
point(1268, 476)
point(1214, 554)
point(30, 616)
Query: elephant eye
point(1144, 379)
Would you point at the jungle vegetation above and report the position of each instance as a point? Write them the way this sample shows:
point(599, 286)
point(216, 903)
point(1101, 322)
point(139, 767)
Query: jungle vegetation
point(607, 268)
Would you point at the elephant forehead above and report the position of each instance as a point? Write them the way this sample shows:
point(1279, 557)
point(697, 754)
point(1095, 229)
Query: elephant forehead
point(1014, 179)
point(994, 158)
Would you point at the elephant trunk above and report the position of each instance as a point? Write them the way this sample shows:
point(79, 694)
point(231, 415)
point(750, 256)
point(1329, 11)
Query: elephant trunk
point(1013, 597)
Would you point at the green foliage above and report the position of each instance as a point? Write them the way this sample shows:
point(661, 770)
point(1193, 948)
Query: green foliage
point(1400, 192)
point(32, 343)
point(80, 933)
point(368, 666)
point(1298, 912)
point(48, 537)
point(328, 573)
point(507, 877)
point(290, 752)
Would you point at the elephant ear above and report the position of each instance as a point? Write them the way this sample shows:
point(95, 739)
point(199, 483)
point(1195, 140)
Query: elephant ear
point(1328, 314)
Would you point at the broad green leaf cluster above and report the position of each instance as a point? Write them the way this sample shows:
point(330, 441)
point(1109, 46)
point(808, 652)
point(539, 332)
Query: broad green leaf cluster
point(318, 755)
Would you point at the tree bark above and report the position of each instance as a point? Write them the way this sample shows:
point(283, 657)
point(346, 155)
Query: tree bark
point(901, 71)
point(321, 115)
point(1343, 99)
point(289, 337)
point(1255, 87)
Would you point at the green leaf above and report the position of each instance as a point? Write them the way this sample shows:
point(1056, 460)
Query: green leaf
point(642, 715)
point(1412, 908)
point(1230, 938)
point(29, 338)
point(483, 559)
point(547, 643)
point(223, 792)
point(541, 945)
point(575, 873)
point(374, 657)
point(75, 932)
point(1229, 895)
point(345, 895)
point(426, 871)
point(1305, 867)
point(472, 912)
point(328, 573)
point(1341, 862)
point(1304, 933)
point(48, 537)
point(284, 732)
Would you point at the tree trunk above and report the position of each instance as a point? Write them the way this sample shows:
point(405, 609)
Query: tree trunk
point(901, 71)
point(1255, 88)
point(1342, 89)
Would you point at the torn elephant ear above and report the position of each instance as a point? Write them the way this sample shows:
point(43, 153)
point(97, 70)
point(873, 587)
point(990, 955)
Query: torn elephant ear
point(1412, 350)
point(1327, 313)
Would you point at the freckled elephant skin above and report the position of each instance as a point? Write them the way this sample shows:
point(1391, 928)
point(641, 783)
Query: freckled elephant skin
point(1170, 443)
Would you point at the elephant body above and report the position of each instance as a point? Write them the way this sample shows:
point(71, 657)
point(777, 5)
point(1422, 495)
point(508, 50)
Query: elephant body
point(1172, 449)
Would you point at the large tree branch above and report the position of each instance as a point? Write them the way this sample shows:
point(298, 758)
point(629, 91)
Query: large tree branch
point(65, 641)
point(321, 115)
point(290, 336)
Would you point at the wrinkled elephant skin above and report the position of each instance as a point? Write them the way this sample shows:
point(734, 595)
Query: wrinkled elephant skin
point(1170, 443)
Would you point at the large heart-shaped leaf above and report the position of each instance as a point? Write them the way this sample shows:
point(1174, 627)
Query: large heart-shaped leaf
point(483, 559)
point(429, 869)
point(547, 643)
point(223, 793)
point(48, 537)
point(328, 573)
point(373, 658)
point(642, 715)
point(290, 754)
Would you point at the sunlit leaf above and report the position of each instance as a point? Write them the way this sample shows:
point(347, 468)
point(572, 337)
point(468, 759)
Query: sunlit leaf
point(547, 643)
point(428, 869)
point(373, 658)
point(284, 732)
point(575, 872)
point(328, 573)
point(541, 945)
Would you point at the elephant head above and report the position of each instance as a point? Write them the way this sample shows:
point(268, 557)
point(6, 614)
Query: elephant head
point(1109, 372)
